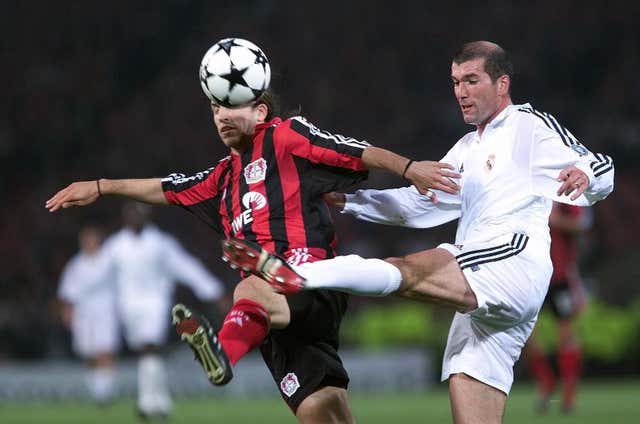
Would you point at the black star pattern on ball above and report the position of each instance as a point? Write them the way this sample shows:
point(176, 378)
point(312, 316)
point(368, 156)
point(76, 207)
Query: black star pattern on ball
point(261, 59)
point(204, 73)
point(236, 76)
point(227, 44)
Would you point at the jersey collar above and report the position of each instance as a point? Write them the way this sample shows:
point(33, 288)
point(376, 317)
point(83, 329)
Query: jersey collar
point(272, 123)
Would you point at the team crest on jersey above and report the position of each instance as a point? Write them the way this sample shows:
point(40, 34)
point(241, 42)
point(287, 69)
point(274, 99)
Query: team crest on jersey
point(256, 171)
point(491, 161)
point(289, 384)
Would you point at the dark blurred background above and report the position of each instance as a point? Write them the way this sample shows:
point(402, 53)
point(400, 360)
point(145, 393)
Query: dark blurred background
point(110, 89)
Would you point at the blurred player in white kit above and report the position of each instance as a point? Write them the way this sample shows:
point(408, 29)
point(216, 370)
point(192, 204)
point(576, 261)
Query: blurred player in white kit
point(148, 262)
point(87, 295)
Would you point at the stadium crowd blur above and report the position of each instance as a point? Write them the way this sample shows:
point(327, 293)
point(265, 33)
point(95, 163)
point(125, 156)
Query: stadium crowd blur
point(110, 89)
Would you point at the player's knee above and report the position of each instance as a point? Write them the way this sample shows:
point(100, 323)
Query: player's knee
point(258, 291)
point(327, 405)
point(410, 273)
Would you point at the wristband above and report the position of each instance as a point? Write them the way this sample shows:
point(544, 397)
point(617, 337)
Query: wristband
point(99, 191)
point(406, 168)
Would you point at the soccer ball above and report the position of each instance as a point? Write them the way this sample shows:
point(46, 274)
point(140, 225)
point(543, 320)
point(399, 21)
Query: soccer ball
point(234, 72)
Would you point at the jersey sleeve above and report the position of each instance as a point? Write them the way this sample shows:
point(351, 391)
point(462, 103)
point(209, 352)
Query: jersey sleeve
point(552, 149)
point(190, 271)
point(335, 160)
point(198, 194)
point(404, 207)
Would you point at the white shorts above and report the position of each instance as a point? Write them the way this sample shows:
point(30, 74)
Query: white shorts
point(145, 321)
point(94, 329)
point(509, 276)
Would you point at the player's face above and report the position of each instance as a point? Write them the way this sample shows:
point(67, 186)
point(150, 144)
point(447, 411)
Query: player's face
point(480, 99)
point(236, 126)
point(90, 240)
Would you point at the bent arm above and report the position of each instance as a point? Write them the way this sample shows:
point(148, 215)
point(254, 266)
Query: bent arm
point(404, 207)
point(82, 193)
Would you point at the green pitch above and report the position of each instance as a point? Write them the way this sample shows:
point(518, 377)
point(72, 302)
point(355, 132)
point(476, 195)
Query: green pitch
point(599, 402)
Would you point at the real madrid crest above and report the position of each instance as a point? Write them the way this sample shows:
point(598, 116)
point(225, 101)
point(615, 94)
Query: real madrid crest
point(491, 161)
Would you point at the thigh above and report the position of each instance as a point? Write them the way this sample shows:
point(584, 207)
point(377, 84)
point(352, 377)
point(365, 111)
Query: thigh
point(328, 405)
point(303, 358)
point(475, 402)
point(435, 276)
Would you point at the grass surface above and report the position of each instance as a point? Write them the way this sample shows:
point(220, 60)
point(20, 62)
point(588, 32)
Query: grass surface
point(599, 402)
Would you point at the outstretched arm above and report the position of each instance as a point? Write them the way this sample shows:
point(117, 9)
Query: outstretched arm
point(424, 175)
point(82, 193)
point(404, 207)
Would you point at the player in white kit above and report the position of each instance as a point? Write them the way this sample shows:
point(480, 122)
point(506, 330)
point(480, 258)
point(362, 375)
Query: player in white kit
point(148, 262)
point(87, 295)
point(496, 275)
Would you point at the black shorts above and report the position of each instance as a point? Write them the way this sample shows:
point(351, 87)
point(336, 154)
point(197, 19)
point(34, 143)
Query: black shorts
point(561, 300)
point(304, 357)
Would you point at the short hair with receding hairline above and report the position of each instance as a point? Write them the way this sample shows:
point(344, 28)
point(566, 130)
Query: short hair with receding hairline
point(496, 59)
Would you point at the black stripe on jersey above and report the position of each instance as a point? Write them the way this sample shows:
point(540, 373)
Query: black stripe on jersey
point(493, 254)
point(178, 182)
point(275, 197)
point(538, 114)
point(566, 140)
point(602, 165)
point(550, 121)
point(317, 222)
point(604, 170)
point(243, 189)
point(324, 139)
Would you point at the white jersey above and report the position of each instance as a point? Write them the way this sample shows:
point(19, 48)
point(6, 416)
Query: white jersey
point(508, 183)
point(147, 265)
point(86, 280)
point(87, 283)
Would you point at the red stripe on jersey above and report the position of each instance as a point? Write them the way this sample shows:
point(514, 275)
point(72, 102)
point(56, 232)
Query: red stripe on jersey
point(225, 218)
point(261, 215)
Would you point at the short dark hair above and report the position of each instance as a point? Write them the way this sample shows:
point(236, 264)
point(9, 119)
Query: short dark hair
point(271, 100)
point(496, 59)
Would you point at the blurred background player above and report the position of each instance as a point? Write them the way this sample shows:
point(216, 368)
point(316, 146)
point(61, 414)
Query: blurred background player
point(87, 298)
point(148, 262)
point(565, 299)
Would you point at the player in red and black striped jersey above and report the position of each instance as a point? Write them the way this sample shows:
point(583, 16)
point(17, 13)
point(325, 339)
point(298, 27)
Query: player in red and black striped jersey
point(269, 191)
point(565, 299)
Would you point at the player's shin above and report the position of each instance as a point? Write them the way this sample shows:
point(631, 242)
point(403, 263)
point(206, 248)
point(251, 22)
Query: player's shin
point(352, 274)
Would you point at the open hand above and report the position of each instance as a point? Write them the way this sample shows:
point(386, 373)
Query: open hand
point(80, 193)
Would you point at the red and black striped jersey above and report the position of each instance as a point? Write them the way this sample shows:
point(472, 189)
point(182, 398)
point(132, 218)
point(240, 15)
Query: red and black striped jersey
point(272, 193)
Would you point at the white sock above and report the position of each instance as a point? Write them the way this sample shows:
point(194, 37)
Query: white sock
point(101, 382)
point(352, 274)
point(153, 390)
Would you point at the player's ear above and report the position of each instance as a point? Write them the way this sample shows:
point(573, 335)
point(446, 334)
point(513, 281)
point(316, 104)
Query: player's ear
point(503, 85)
point(263, 111)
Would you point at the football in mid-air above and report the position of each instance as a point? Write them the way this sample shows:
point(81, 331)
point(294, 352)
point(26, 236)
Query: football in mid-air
point(234, 72)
